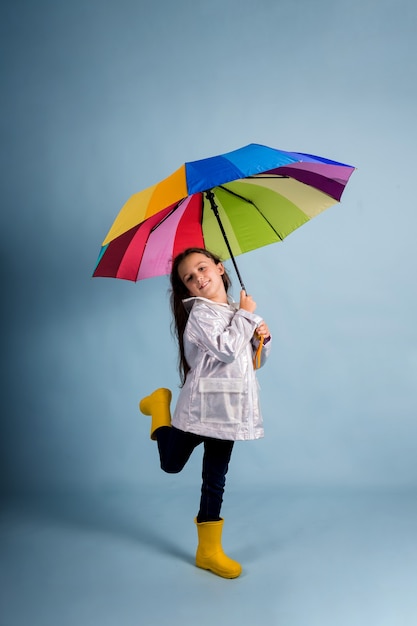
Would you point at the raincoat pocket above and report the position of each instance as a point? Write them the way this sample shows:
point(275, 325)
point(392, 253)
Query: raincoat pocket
point(221, 399)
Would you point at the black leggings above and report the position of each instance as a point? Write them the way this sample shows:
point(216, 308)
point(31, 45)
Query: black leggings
point(175, 448)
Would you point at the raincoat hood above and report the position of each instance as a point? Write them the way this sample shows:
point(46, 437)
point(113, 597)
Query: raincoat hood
point(189, 302)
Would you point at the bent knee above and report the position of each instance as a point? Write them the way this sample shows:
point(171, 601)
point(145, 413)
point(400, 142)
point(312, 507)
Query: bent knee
point(171, 469)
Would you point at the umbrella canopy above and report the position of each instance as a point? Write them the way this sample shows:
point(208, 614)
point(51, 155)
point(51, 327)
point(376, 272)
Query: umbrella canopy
point(257, 194)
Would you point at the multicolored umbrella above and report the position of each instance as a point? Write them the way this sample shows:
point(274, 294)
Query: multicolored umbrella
point(229, 204)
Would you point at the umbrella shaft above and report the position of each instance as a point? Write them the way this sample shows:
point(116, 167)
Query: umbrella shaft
point(210, 196)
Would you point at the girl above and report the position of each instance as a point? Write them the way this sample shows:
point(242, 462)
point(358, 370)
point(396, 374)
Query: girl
point(218, 401)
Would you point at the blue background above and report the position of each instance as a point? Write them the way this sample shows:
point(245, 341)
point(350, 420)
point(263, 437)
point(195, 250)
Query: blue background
point(101, 99)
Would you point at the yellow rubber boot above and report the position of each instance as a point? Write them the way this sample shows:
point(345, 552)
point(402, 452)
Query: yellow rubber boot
point(157, 405)
point(210, 553)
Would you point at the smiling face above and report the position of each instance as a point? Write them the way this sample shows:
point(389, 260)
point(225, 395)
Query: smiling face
point(203, 277)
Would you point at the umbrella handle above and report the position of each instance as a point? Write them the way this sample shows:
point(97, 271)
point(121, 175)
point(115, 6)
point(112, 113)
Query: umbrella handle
point(257, 357)
point(210, 197)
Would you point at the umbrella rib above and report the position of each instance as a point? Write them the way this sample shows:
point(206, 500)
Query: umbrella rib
point(265, 176)
point(178, 204)
point(233, 193)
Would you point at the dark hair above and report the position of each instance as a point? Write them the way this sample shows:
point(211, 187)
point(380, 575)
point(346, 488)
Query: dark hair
point(178, 293)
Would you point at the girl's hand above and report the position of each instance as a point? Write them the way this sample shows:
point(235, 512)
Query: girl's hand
point(246, 302)
point(263, 330)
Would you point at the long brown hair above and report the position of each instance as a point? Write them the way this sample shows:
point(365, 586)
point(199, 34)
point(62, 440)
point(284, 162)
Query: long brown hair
point(178, 293)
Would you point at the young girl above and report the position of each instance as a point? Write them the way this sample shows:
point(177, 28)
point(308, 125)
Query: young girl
point(218, 402)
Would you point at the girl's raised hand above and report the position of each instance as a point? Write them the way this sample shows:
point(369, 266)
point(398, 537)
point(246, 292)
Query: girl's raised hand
point(247, 303)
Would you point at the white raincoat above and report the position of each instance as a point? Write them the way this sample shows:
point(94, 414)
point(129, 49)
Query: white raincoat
point(220, 396)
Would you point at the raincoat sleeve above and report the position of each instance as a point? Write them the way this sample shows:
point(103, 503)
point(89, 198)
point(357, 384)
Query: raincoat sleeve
point(223, 339)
